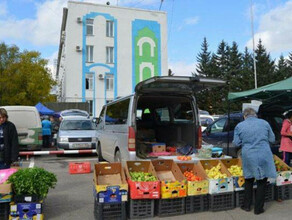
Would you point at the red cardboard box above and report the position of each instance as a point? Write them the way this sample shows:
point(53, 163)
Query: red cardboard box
point(142, 190)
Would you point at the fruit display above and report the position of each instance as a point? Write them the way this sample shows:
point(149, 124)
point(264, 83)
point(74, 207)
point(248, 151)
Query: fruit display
point(184, 158)
point(280, 167)
point(142, 177)
point(215, 172)
point(191, 176)
point(235, 170)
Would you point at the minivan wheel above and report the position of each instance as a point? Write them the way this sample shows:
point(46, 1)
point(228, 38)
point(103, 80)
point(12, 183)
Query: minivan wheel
point(98, 151)
point(118, 156)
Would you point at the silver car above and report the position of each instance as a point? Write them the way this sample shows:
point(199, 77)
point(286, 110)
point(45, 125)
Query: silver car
point(76, 133)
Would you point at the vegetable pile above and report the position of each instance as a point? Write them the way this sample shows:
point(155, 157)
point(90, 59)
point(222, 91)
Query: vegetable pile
point(184, 158)
point(32, 181)
point(280, 167)
point(142, 177)
point(235, 170)
point(215, 172)
point(191, 176)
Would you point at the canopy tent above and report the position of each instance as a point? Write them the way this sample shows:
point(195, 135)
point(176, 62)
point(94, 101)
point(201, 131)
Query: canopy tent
point(281, 90)
point(43, 110)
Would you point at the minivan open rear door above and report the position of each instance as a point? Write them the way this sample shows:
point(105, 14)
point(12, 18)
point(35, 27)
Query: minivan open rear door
point(177, 84)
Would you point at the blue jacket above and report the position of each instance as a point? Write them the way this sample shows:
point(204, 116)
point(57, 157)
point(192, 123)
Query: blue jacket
point(254, 136)
point(47, 127)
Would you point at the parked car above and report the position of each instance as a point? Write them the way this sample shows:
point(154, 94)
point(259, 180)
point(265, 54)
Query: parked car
point(162, 109)
point(76, 132)
point(74, 112)
point(28, 125)
point(205, 120)
point(217, 132)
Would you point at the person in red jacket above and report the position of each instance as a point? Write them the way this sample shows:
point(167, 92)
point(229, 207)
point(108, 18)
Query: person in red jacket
point(286, 140)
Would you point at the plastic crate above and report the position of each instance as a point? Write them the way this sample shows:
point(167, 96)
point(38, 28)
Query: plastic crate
point(239, 198)
point(79, 168)
point(109, 211)
point(4, 210)
point(140, 208)
point(198, 203)
point(221, 201)
point(170, 207)
point(269, 193)
point(283, 192)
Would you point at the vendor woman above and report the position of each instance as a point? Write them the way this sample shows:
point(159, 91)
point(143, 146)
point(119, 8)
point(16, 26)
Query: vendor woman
point(254, 136)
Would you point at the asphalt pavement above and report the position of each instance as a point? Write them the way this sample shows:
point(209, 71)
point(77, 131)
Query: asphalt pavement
point(72, 199)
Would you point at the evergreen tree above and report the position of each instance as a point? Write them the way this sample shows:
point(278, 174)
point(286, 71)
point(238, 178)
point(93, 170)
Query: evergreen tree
point(264, 65)
point(247, 73)
point(289, 64)
point(204, 59)
point(282, 70)
point(221, 58)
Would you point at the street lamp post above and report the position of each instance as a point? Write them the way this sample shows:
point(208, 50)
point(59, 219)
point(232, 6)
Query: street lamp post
point(253, 50)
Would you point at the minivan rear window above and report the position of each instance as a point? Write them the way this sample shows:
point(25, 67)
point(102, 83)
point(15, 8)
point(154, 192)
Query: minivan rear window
point(117, 113)
point(24, 119)
point(77, 125)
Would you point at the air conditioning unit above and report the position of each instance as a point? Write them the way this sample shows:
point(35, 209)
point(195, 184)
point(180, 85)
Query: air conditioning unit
point(79, 20)
point(78, 49)
point(101, 76)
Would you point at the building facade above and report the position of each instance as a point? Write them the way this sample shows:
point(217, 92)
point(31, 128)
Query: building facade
point(106, 50)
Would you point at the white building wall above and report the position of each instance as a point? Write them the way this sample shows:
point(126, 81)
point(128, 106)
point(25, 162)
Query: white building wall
point(124, 18)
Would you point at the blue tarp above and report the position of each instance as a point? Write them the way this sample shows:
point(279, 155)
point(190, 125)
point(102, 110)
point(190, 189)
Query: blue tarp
point(43, 110)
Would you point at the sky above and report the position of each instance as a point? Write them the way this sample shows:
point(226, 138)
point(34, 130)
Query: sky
point(35, 25)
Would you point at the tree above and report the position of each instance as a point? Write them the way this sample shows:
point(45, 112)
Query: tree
point(264, 65)
point(221, 58)
point(289, 64)
point(247, 71)
point(25, 79)
point(282, 69)
point(204, 59)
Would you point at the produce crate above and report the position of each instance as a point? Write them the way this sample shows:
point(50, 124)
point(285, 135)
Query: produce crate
point(221, 185)
point(170, 207)
point(196, 187)
point(4, 210)
point(109, 211)
point(173, 182)
point(26, 211)
point(270, 193)
point(110, 184)
point(139, 189)
point(283, 192)
point(284, 172)
point(79, 168)
point(5, 192)
point(221, 201)
point(140, 208)
point(199, 203)
point(239, 198)
point(27, 198)
point(238, 181)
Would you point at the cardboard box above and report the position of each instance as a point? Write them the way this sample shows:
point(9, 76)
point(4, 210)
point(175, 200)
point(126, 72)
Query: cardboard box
point(156, 147)
point(110, 183)
point(35, 217)
point(25, 211)
point(218, 185)
point(142, 190)
point(173, 182)
point(196, 187)
point(238, 181)
point(5, 192)
point(283, 177)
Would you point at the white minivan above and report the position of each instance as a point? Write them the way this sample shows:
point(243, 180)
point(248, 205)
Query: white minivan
point(28, 125)
point(162, 110)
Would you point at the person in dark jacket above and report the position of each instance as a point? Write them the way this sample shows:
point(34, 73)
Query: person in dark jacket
point(9, 150)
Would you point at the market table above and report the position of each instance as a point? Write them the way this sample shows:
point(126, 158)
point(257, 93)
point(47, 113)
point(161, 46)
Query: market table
point(194, 158)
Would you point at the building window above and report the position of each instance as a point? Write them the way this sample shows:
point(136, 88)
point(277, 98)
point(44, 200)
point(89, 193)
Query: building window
point(109, 28)
point(89, 54)
point(109, 54)
point(89, 26)
point(89, 81)
point(109, 82)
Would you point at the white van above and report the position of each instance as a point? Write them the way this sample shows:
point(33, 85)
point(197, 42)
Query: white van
point(28, 124)
point(162, 110)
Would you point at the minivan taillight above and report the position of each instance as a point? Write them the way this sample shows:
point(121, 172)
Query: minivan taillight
point(131, 139)
point(199, 137)
point(40, 136)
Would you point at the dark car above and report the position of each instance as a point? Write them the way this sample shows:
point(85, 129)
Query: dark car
point(217, 132)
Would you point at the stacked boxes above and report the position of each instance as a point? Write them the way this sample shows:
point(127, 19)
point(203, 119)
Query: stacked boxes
point(142, 193)
point(239, 179)
point(284, 172)
point(20, 211)
point(110, 191)
point(173, 188)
